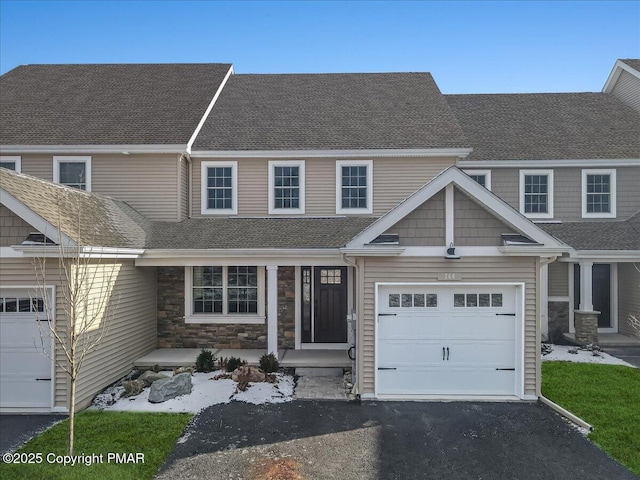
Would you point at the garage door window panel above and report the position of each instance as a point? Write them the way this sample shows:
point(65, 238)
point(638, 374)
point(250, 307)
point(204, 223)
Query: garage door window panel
point(413, 300)
point(472, 300)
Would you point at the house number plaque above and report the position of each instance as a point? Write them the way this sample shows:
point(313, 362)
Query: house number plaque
point(449, 277)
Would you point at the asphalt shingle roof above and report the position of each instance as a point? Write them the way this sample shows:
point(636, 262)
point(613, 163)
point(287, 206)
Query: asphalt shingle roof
point(86, 218)
point(250, 233)
point(553, 126)
point(330, 112)
point(105, 104)
point(632, 62)
point(600, 235)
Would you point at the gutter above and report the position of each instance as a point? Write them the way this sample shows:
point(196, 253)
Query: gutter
point(566, 413)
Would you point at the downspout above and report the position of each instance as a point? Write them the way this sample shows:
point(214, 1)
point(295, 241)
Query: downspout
point(354, 317)
point(187, 157)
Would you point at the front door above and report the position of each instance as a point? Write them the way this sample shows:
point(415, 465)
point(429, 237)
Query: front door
point(324, 304)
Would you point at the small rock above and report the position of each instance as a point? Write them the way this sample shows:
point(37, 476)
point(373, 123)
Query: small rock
point(150, 376)
point(179, 370)
point(246, 374)
point(168, 388)
point(103, 400)
point(133, 388)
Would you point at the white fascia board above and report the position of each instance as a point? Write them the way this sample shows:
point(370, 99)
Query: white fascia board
point(208, 110)
point(54, 251)
point(94, 149)
point(373, 251)
point(606, 255)
point(454, 175)
point(615, 74)
point(533, 251)
point(364, 153)
point(33, 219)
point(596, 162)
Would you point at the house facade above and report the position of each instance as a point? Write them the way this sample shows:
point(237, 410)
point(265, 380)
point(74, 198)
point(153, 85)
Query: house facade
point(340, 211)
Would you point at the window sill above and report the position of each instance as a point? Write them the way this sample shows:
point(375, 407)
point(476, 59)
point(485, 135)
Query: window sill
point(225, 319)
point(599, 215)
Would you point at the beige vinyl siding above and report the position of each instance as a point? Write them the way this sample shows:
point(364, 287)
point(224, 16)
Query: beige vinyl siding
point(414, 269)
point(567, 191)
point(424, 226)
point(13, 228)
point(474, 225)
point(558, 279)
point(627, 89)
point(147, 182)
point(394, 179)
point(184, 188)
point(628, 297)
point(17, 272)
point(131, 329)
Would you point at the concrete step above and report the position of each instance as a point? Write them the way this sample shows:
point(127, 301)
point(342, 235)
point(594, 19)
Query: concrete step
point(319, 372)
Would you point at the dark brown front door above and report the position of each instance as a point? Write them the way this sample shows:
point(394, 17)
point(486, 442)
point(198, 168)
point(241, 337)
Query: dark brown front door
point(330, 304)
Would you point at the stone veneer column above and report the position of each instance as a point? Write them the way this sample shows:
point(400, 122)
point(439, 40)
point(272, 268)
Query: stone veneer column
point(586, 324)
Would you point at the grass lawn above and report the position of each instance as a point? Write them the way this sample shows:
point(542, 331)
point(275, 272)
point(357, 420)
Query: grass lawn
point(152, 434)
point(607, 397)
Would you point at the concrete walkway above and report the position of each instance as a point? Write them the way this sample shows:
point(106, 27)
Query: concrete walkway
point(320, 384)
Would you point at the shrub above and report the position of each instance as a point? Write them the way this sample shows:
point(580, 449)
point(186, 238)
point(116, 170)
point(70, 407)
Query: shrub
point(233, 363)
point(206, 361)
point(269, 363)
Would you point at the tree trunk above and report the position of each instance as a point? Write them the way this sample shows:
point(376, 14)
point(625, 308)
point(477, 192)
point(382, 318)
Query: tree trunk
point(72, 413)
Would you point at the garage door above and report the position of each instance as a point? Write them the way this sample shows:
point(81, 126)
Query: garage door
point(446, 340)
point(25, 373)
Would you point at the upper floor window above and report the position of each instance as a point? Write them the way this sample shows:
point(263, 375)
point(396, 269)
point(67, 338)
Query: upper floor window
point(599, 193)
point(219, 189)
point(286, 187)
point(354, 186)
point(73, 172)
point(483, 177)
point(536, 193)
point(225, 294)
point(10, 162)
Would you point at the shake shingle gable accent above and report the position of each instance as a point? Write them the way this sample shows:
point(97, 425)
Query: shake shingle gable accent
point(330, 112)
point(106, 104)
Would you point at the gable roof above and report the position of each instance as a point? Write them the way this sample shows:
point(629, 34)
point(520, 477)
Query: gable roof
point(548, 126)
point(106, 104)
point(330, 112)
point(70, 215)
point(632, 62)
point(601, 235)
point(480, 195)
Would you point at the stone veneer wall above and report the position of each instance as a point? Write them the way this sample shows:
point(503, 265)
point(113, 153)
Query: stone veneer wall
point(173, 332)
point(558, 321)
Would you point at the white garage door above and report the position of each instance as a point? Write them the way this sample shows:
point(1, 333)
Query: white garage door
point(25, 373)
point(446, 340)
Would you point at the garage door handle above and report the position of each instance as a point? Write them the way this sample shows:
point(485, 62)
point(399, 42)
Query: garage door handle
point(511, 369)
point(447, 353)
point(387, 314)
point(387, 368)
point(43, 379)
point(507, 314)
point(442, 353)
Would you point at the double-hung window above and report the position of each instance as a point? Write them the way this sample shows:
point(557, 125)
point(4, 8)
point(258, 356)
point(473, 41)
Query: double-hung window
point(10, 162)
point(73, 172)
point(224, 294)
point(219, 188)
point(286, 187)
point(483, 177)
point(354, 186)
point(536, 193)
point(598, 193)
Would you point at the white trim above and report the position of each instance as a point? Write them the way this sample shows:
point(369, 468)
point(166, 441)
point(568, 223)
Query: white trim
point(612, 196)
point(208, 110)
point(94, 149)
point(324, 346)
point(449, 213)
point(618, 67)
point(565, 413)
point(204, 197)
point(572, 306)
point(486, 173)
point(608, 256)
point(354, 163)
point(447, 398)
point(272, 313)
point(301, 187)
point(33, 219)
point(544, 300)
point(355, 153)
point(224, 317)
point(8, 252)
point(454, 175)
point(520, 335)
point(298, 307)
point(597, 162)
point(16, 159)
point(72, 159)
point(550, 186)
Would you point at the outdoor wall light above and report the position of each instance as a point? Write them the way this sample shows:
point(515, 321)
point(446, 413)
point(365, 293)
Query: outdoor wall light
point(451, 253)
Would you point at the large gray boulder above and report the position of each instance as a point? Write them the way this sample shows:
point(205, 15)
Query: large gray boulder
point(150, 376)
point(168, 388)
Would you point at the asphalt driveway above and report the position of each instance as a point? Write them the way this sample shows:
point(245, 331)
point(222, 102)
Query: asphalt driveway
point(16, 430)
point(630, 354)
point(386, 440)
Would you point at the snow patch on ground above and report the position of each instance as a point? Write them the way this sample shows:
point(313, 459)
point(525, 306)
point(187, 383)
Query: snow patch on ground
point(560, 353)
point(207, 392)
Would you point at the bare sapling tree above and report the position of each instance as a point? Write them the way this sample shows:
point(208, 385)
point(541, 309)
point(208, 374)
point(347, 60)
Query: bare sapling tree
point(85, 304)
point(633, 319)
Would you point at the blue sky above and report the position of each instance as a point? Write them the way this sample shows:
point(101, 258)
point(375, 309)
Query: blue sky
point(469, 47)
